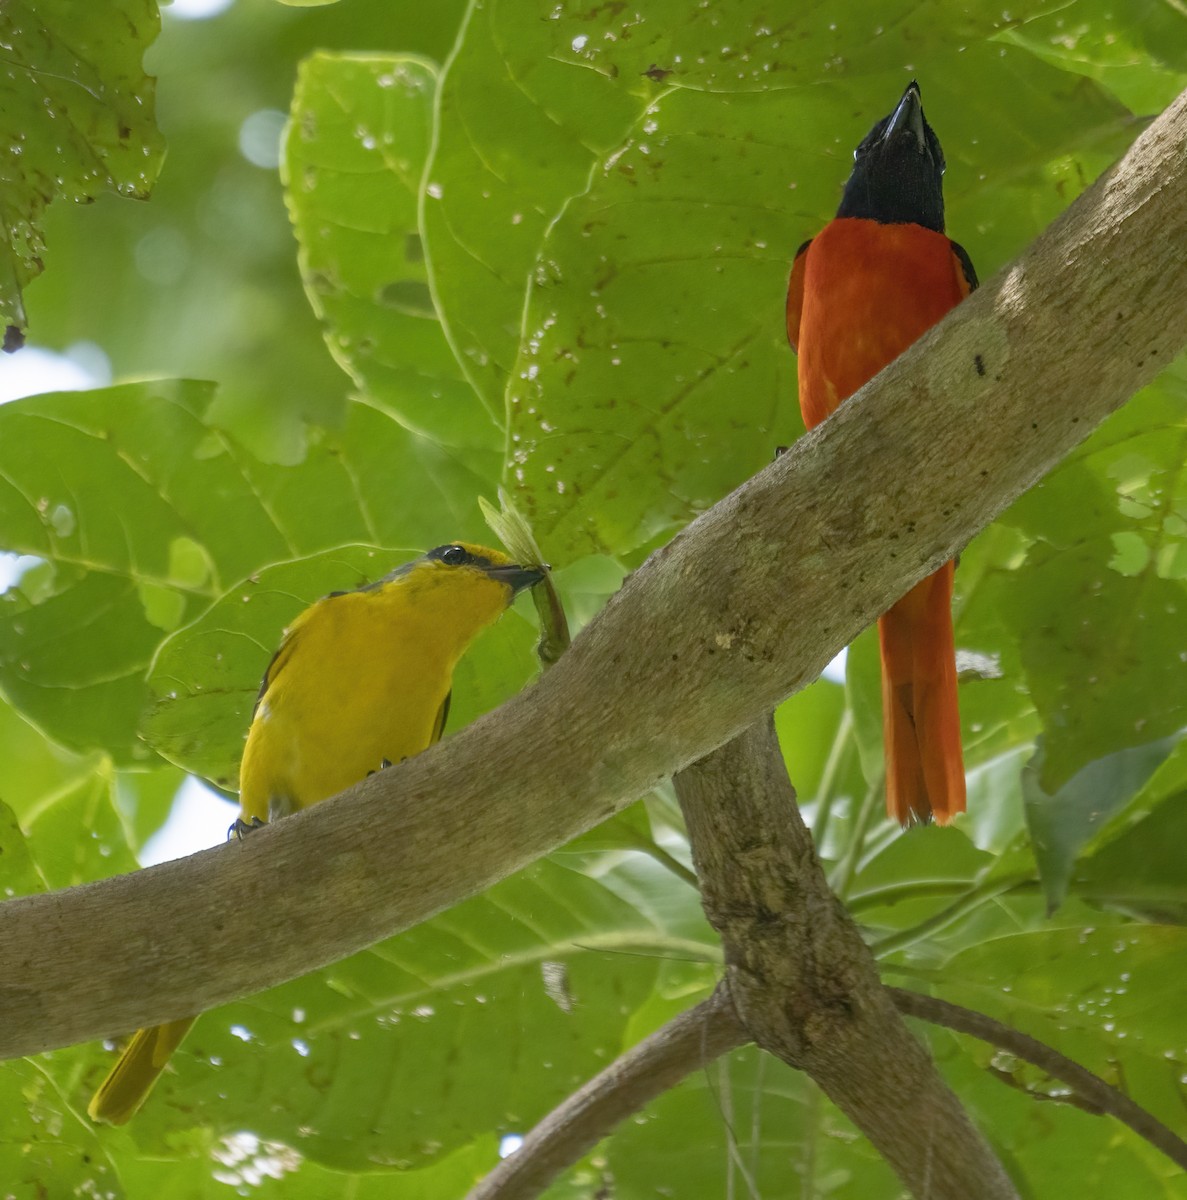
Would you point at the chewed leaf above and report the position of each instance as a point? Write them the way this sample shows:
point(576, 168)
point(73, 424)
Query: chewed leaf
point(77, 120)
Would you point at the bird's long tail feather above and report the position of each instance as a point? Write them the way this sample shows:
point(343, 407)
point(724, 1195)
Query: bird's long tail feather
point(921, 721)
point(135, 1071)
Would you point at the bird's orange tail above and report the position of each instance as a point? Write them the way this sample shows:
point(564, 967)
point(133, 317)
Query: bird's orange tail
point(921, 721)
point(135, 1071)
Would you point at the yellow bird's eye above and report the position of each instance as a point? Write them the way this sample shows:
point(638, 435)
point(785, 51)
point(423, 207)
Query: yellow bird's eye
point(455, 556)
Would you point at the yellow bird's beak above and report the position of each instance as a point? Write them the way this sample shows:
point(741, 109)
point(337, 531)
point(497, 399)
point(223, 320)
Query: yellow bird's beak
point(517, 577)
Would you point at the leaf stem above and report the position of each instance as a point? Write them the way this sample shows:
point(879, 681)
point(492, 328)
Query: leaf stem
point(826, 792)
point(845, 870)
point(673, 864)
point(971, 900)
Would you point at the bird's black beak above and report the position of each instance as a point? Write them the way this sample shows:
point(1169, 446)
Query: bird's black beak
point(906, 122)
point(516, 577)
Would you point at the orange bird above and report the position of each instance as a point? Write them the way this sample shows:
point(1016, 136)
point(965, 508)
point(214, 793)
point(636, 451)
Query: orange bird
point(872, 281)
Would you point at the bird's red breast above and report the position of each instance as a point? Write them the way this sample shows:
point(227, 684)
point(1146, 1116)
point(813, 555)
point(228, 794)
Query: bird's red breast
point(861, 292)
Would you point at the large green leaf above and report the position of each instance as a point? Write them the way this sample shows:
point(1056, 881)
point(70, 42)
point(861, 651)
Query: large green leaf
point(1063, 822)
point(273, 1171)
point(474, 1022)
point(1098, 606)
point(1138, 866)
point(77, 121)
point(20, 875)
point(654, 374)
point(516, 136)
point(46, 1146)
point(36, 769)
point(1137, 50)
point(746, 1125)
point(1047, 1142)
point(358, 138)
point(147, 510)
point(1097, 995)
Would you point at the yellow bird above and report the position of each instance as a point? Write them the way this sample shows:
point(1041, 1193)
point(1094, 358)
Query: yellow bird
point(361, 680)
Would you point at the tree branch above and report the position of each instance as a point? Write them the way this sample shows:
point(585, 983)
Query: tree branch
point(1102, 1096)
point(744, 607)
point(685, 1044)
point(805, 984)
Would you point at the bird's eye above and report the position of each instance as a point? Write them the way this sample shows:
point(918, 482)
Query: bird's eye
point(455, 556)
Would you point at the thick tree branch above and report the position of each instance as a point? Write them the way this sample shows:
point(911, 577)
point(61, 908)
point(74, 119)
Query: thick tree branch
point(1089, 1089)
point(740, 610)
point(804, 983)
point(685, 1044)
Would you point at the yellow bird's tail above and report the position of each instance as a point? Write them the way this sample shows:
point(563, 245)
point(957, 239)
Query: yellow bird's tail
point(135, 1071)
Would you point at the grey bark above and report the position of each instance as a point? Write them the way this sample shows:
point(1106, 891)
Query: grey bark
point(806, 986)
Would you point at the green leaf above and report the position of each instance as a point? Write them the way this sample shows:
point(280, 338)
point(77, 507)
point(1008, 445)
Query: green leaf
point(451, 1031)
point(648, 384)
point(1098, 607)
point(145, 800)
point(35, 768)
point(627, 830)
point(1045, 1141)
point(80, 836)
point(271, 1171)
point(1140, 871)
point(517, 133)
point(825, 42)
point(737, 1127)
point(78, 819)
point(1096, 995)
point(19, 875)
point(77, 121)
point(1061, 823)
point(74, 664)
point(357, 143)
point(863, 693)
point(75, 467)
point(996, 716)
point(47, 1147)
point(807, 725)
point(900, 883)
point(1137, 50)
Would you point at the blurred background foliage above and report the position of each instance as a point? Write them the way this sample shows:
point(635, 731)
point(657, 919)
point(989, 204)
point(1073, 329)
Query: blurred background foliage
point(399, 254)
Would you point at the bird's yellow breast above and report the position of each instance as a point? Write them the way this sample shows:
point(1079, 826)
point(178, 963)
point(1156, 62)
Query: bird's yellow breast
point(360, 680)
